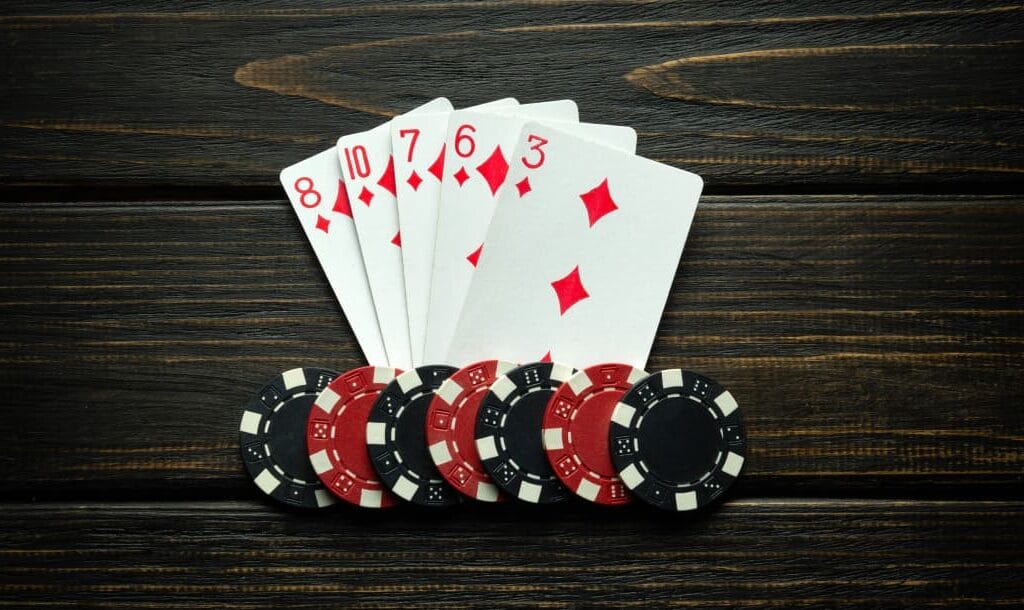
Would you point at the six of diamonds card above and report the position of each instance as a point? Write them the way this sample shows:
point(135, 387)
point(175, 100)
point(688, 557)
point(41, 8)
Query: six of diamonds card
point(502, 230)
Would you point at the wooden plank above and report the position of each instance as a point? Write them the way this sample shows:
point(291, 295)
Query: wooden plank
point(753, 553)
point(874, 342)
point(856, 94)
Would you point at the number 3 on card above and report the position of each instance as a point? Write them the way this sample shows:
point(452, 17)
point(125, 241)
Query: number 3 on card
point(537, 147)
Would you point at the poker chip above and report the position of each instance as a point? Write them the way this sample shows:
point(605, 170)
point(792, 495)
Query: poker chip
point(451, 429)
point(677, 440)
point(576, 424)
point(508, 432)
point(336, 437)
point(272, 436)
point(396, 438)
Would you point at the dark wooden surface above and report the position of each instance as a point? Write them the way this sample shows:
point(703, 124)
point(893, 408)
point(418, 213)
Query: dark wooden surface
point(751, 553)
point(854, 276)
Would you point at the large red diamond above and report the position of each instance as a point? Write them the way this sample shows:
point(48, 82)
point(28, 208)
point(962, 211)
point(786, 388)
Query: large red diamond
point(437, 167)
point(414, 180)
point(341, 202)
point(387, 181)
point(461, 176)
point(397, 239)
point(494, 169)
point(366, 196)
point(523, 186)
point(570, 290)
point(322, 223)
point(598, 202)
point(474, 256)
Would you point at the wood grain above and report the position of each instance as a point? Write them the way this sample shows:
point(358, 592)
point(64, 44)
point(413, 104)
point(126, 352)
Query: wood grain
point(781, 553)
point(862, 94)
point(875, 342)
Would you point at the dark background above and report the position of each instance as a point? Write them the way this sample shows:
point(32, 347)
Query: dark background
point(853, 276)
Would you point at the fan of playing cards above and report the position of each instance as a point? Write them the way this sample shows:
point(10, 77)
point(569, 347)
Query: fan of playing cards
point(503, 230)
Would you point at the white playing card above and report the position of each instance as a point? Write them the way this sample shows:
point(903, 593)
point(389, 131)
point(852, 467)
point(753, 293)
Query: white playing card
point(368, 170)
point(579, 257)
point(476, 162)
point(462, 226)
point(315, 189)
point(418, 144)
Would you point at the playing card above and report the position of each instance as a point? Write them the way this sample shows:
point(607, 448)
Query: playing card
point(367, 166)
point(463, 220)
point(418, 144)
point(315, 189)
point(476, 163)
point(579, 256)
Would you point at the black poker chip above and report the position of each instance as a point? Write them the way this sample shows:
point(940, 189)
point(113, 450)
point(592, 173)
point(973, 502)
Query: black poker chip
point(508, 432)
point(396, 438)
point(272, 436)
point(677, 440)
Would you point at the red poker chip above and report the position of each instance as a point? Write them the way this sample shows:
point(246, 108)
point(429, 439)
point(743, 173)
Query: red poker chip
point(451, 429)
point(336, 436)
point(576, 424)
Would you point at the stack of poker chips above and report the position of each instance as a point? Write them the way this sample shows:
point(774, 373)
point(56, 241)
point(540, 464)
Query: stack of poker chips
point(493, 432)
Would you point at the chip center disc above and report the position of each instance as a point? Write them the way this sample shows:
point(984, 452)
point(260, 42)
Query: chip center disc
point(350, 436)
point(288, 441)
point(589, 430)
point(679, 439)
point(411, 436)
point(523, 424)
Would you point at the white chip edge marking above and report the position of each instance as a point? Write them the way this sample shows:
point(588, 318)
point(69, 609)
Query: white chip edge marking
point(371, 498)
point(529, 492)
point(293, 378)
point(323, 498)
point(502, 387)
point(672, 378)
point(726, 403)
point(326, 400)
point(375, 433)
point(631, 477)
point(383, 375)
point(404, 488)
point(250, 422)
point(579, 382)
point(449, 391)
point(588, 489)
point(409, 381)
point(486, 492)
point(487, 448)
point(503, 367)
point(440, 454)
point(320, 462)
point(636, 375)
point(623, 414)
point(267, 481)
point(552, 439)
point(733, 464)
point(686, 501)
point(560, 372)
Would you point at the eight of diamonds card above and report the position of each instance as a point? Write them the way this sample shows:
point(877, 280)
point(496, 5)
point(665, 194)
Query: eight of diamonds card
point(318, 196)
point(579, 256)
